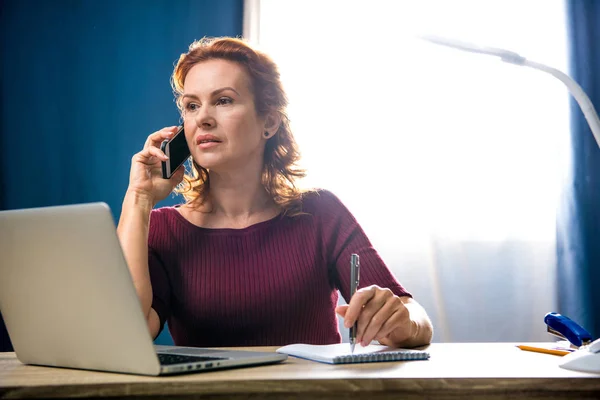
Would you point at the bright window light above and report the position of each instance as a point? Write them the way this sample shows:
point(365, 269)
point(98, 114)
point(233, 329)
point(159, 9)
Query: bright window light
point(417, 138)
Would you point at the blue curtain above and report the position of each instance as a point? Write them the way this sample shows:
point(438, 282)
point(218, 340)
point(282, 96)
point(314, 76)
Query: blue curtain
point(83, 83)
point(579, 216)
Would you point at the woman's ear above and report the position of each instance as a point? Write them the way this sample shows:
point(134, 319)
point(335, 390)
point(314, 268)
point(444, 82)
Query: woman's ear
point(272, 122)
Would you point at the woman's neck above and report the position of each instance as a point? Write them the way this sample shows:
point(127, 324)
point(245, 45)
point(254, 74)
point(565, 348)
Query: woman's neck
point(234, 201)
point(235, 197)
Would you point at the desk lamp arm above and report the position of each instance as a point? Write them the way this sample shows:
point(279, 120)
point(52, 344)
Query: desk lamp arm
point(589, 112)
point(513, 58)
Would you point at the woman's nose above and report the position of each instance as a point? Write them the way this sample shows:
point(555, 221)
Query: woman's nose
point(204, 118)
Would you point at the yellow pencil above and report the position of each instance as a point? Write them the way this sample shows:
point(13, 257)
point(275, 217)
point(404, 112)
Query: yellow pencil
point(555, 352)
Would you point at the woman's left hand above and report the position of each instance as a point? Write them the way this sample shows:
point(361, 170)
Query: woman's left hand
point(381, 316)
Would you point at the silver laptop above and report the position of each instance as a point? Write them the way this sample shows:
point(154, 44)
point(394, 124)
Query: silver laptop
point(68, 299)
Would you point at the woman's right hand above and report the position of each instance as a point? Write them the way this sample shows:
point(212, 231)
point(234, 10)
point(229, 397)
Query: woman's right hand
point(145, 177)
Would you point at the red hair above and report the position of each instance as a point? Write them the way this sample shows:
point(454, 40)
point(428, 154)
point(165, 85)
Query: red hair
point(280, 170)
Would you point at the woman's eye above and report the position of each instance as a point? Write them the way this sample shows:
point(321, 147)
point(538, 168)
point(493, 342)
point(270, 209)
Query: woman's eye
point(191, 106)
point(224, 100)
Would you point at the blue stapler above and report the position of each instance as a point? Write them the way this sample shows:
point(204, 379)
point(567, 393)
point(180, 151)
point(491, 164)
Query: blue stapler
point(567, 329)
point(587, 357)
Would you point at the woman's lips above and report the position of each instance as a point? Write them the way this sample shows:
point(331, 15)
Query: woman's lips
point(207, 141)
point(208, 144)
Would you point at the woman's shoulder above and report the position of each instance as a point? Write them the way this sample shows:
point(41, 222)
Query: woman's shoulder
point(320, 201)
point(163, 216)
point(164, 212)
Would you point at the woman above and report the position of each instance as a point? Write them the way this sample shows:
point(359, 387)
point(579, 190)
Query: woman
point(249, 259)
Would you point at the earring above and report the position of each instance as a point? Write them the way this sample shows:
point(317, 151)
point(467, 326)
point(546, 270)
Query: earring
point(266, 134)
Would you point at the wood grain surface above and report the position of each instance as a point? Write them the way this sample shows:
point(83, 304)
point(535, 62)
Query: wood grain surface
point(455, 370)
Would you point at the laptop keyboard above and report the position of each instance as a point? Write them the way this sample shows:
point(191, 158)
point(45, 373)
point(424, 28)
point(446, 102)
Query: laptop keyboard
point(170, 359)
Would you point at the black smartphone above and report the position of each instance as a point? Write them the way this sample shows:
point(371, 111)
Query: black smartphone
point(178, 152)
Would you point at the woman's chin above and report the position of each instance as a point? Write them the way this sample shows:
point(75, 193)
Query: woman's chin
point(208, 164)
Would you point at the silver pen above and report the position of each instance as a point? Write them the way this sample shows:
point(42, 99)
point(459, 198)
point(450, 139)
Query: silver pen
point(354, 278)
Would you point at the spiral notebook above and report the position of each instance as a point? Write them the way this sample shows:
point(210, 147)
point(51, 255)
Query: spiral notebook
point(340, 353)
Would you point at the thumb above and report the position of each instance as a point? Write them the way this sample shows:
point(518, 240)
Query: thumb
point(178, 176)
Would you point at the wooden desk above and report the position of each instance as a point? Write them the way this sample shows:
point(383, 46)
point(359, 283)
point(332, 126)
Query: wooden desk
point(455, 370)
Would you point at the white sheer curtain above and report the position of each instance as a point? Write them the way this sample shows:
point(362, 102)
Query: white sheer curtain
point(450, 161)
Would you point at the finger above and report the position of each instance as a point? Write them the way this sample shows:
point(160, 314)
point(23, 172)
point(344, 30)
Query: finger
point(399, 324)
point(158, 137)
point(369, 311)
point(379, 321)
point(150, 155)
point(341, 310)
point(356, 304)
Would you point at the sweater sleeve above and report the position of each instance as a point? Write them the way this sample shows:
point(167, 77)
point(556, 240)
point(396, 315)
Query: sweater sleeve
point(342, 236)
point(159, 279)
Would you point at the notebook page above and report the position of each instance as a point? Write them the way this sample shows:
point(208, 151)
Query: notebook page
point(333, 353)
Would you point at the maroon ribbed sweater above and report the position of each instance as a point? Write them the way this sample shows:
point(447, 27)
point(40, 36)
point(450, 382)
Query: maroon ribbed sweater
point(272, 283)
